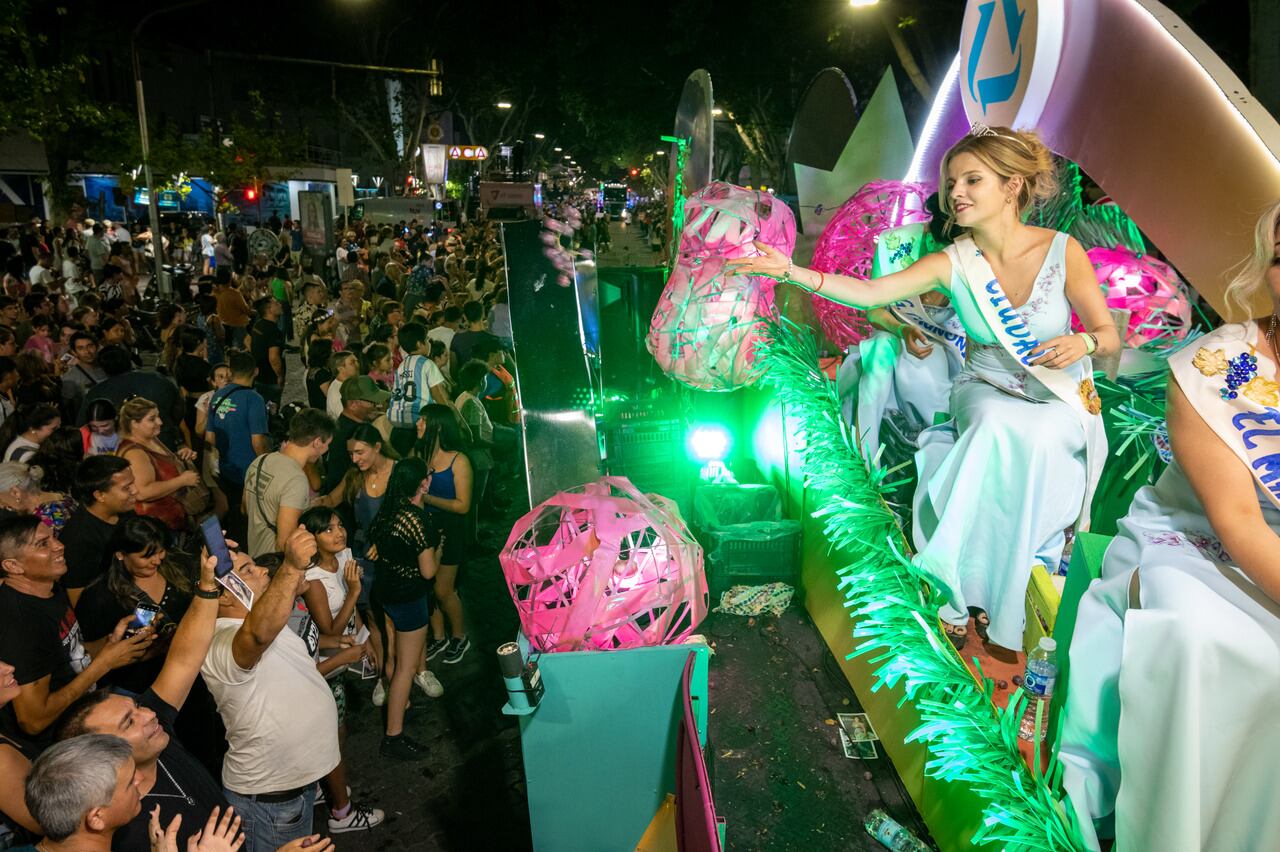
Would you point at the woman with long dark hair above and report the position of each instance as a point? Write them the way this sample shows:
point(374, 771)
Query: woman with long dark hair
point(448, 498)
point(141, 573)
point(26, 429)
point(407, 553)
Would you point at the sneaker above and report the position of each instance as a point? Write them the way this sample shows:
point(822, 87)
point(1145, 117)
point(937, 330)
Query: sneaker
point(429, 683)
point(402, 748)
point(360, 818)
point(435, 647)
point(379, 694)
point(457, 650)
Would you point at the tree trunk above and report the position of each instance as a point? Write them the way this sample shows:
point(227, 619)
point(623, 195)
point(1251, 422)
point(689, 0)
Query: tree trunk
point(908, 61)
point(1264, 57)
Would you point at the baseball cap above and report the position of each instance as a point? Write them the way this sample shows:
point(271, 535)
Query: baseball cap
point(363, 387)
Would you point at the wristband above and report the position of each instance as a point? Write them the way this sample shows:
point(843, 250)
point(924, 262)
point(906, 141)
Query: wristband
point(208, 595)
point(1090, 342)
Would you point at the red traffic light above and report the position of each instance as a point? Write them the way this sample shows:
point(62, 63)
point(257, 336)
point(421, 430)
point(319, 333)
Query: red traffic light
point(635, 172)
point(250, 193)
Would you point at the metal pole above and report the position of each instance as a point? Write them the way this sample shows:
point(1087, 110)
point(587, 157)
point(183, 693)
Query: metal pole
point(163, 287)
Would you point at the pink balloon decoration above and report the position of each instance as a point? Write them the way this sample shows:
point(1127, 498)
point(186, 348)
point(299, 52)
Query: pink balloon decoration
point(1159, 306)
point(602, 567)
point(847, 246)
point(705, 327)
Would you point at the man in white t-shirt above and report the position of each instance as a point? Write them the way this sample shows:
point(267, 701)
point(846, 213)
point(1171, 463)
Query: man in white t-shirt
point(447, 329)
point(276, 490)
point(418, 382)
point(281, 719)
point(344, 366)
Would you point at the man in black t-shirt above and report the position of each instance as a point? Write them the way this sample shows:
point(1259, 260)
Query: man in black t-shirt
point(105, 491)
point(266, 342)
point(169, 776)
point(39, 634)
point(473, 334)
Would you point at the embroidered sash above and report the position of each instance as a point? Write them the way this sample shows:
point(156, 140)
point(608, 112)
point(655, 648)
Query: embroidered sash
point(897, 249)
point(1015, 336)
point(1249, 423)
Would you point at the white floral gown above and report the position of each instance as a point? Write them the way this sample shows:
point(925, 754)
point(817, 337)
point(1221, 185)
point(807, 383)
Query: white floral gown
point(1182, 690)
point(1000, 483)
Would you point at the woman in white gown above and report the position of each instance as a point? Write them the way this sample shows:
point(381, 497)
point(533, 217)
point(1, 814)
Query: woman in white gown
point(999, 484)
point(1172, 703)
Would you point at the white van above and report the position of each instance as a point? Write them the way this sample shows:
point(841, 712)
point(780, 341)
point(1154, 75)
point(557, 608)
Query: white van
point(389, 211)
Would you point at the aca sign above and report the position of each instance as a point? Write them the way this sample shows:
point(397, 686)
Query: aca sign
point(468, 152)
point(1009, 53)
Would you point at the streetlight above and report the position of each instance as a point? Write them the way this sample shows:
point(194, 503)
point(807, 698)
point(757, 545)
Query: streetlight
point(861, 4)
point(717, 111)
point(503, 105)
point(557, 150)
point(153, 201)
point(539, 136)
point(661, 153)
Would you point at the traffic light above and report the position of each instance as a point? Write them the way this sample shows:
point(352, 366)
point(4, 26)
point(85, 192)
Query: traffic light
point(250, 194)
point(635, 172)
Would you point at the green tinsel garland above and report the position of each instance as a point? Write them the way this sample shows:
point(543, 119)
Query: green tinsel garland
point(896, 616)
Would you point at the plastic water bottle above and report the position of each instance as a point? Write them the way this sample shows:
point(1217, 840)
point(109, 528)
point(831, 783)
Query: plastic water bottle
point(1037, 683)
point(893, 835)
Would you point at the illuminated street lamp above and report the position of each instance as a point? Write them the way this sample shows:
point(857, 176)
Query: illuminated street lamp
point(661, 153)
point(503, 105)
point(860, 4)
point(539, 136)
point(717, 111)
point(557, 150)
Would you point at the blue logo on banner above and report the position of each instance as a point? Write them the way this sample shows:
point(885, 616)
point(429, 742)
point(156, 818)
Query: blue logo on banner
point(999, 88)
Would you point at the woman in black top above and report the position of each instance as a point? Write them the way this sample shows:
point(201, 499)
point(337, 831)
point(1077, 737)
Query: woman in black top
point(407, 553)
point(192, 371)
point(318, 373)
point(140, 573)
point(16, 823)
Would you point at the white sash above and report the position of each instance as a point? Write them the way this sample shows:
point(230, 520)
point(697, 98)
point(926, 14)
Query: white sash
point(896, 249)
point(1007, 326)
point(1248, 424)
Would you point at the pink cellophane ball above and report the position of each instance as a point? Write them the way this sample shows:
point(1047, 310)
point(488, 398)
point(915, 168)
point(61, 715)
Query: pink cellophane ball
point(847, 246)
point(1159, 306)
point(602, 567)
point(705, 327)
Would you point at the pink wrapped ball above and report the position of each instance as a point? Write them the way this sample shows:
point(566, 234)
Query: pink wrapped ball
point(602, 567)
point(705, 327)
point(847, 247)
point(1157, 299)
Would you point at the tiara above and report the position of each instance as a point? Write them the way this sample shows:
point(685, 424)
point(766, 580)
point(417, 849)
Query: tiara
point(980, 129)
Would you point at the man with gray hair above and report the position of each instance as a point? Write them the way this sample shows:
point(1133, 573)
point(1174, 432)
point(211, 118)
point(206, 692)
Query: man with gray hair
point(81, 790)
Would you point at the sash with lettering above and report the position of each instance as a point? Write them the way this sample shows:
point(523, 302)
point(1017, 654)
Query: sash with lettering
point(897, 249)
point(1249, 422)
point(1073, 385)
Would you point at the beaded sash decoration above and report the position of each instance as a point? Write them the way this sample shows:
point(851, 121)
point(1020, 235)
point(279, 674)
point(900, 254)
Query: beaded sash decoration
point(1240, 370)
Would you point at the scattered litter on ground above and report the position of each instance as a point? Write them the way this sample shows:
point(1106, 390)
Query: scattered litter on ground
point(769, 599)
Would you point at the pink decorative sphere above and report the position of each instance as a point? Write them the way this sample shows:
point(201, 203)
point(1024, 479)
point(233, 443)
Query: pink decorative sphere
point(847, 246)
point(602, 567)
point(1157, 300)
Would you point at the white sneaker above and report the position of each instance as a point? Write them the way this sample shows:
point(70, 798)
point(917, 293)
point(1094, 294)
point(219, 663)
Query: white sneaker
point(429, 683)
point(361, 818)
point(379, 694)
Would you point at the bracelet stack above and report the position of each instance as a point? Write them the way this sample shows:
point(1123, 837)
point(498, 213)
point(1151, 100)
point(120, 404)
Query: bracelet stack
point(1090, 342)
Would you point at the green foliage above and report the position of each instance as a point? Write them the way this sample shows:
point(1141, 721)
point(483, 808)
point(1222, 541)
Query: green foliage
point(895, 614)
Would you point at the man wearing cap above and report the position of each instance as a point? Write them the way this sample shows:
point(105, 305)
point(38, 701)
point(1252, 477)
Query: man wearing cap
point(362, 399)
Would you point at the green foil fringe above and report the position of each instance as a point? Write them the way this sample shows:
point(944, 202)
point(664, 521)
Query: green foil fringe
point(895, 613)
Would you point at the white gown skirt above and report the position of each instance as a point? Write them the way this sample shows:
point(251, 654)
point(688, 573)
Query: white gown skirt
point(1173, 707)
point(998, 485)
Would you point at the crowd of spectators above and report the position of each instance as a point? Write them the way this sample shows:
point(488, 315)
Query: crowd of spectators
point(144, 704)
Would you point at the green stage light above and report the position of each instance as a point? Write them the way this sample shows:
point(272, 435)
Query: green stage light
point(710, 443)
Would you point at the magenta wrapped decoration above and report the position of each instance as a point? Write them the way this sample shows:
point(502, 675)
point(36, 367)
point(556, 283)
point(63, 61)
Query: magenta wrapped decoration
point(602, 567)
point(1159, 306)
point(705, 327)
point(847, 246)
